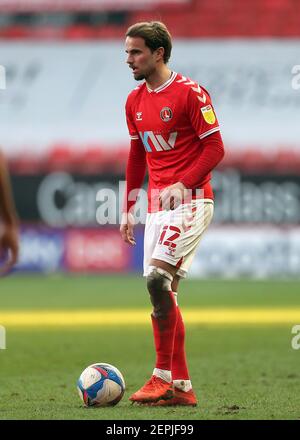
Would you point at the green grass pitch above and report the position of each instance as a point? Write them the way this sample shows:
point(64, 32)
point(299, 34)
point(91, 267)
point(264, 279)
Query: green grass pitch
point(239, 371)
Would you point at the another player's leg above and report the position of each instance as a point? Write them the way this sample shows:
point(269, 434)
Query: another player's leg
point(164, 320)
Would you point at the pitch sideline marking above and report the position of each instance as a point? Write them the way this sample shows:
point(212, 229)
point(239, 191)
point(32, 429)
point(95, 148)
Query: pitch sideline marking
point(71, 318)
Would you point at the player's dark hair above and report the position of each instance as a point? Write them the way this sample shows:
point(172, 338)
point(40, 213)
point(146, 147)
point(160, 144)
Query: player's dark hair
point(155, 34)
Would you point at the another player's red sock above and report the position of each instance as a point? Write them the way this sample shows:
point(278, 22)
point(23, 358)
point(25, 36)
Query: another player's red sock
point(164, 335)
point(179, 363)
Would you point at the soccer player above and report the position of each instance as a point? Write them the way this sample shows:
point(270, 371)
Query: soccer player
point(174, 133)
point(9, 246)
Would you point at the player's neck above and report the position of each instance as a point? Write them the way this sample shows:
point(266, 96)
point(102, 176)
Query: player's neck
point(158, 78)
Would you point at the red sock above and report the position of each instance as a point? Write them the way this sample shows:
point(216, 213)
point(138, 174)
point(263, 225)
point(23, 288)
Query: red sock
point(164, 335)
point(179, 364)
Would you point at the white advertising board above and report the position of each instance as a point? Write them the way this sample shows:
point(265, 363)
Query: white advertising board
point(75, 92)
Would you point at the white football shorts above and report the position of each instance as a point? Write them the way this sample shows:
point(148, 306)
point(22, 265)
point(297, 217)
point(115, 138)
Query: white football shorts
point(173, 236)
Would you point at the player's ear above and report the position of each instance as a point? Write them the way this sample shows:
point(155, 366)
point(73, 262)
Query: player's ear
point(160, 53)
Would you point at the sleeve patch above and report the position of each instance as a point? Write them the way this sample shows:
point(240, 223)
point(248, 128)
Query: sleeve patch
point(208, 114)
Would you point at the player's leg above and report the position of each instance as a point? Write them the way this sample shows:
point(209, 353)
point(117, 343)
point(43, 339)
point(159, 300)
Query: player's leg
point(173, 252)
point(180, 373)
point(183, 392)
point(164, 276)
point(164, 317)
point(182, 387)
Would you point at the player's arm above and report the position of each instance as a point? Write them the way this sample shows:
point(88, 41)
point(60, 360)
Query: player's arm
point(8, 219)
point(205, 124)
point(212, 152)
point(135, 174)
point(204, 121)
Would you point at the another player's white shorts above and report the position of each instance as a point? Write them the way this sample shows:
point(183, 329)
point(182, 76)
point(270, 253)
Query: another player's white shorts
point(173, 236)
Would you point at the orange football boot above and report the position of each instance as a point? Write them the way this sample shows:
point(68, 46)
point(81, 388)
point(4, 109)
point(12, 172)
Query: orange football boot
point(154, 390)
point(181, 398)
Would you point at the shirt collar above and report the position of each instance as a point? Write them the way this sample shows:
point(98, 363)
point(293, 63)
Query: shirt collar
point(164, 85)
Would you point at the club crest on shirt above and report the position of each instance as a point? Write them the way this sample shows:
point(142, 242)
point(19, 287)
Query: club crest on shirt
point(208, 114)
point(166, 114)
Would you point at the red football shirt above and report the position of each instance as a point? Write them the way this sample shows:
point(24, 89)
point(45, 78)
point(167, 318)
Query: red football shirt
point(168, 124)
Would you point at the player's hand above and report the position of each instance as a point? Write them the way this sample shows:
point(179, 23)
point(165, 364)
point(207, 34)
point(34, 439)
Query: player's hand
point(9, 244)
point(172, 196)
point(126, 228)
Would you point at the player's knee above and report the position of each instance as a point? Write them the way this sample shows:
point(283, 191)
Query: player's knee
point(158, 280)
point(159, 287)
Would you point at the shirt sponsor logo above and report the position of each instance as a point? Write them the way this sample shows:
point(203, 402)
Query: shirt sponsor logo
point(166, 114)
point(158, 142)
point(208, 114)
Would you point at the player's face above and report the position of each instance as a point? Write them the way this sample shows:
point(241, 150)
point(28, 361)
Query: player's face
point(140, 58)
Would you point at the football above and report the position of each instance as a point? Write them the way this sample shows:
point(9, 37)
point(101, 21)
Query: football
point(101, 385)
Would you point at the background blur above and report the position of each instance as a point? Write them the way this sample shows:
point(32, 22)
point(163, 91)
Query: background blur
point(62, 126)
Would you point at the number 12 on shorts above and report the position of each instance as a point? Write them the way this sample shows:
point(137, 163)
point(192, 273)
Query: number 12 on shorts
point(173, 233)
